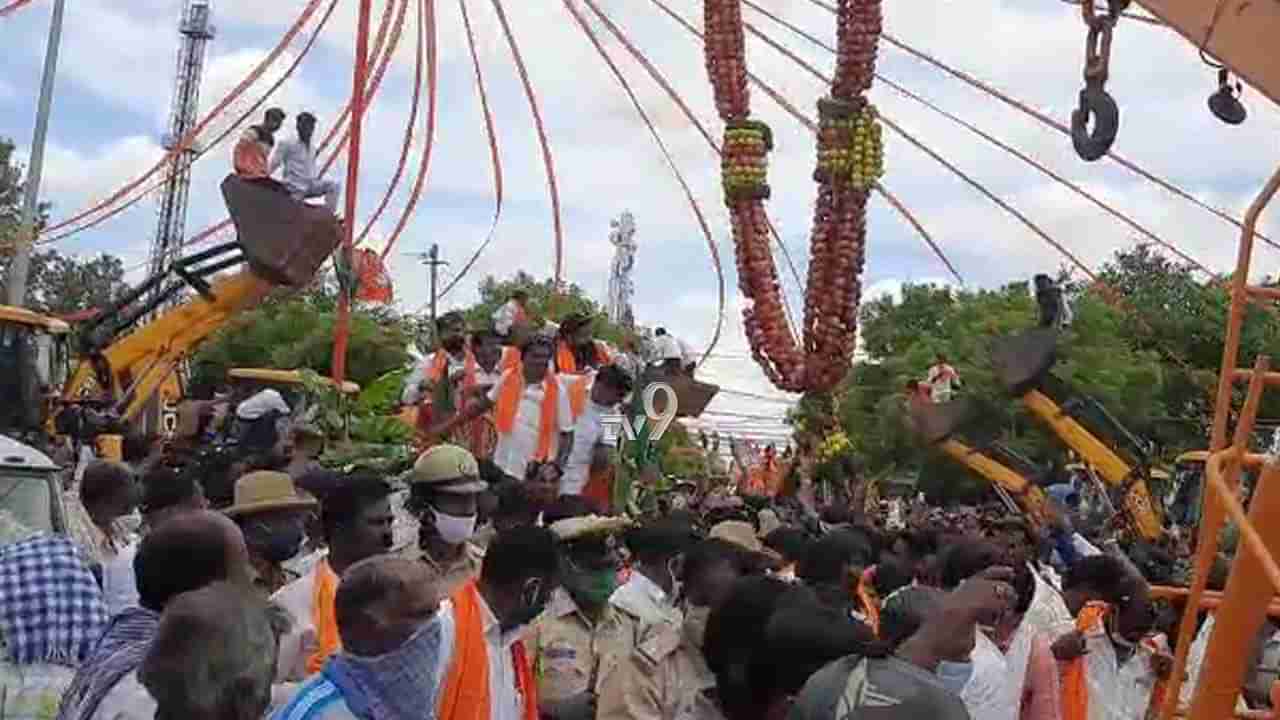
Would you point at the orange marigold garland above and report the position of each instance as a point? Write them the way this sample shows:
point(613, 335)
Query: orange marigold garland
point(850, 160)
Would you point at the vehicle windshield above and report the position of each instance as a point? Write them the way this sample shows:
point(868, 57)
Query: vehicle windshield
point(25, 506)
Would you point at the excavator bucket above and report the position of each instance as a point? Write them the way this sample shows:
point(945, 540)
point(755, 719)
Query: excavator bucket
point(692, 396)
point(935, 422)
point(1021, 361)
point(284, 241)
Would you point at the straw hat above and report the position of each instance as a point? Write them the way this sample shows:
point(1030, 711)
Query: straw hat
point(265, 490)
point(740, 533)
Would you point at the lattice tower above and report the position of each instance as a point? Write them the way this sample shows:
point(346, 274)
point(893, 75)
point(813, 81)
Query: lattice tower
point(196, 31)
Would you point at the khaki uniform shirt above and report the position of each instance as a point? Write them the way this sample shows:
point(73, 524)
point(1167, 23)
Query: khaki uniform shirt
point(570, 654)
point(270, 576)
point(453, 574)
point(664, 678)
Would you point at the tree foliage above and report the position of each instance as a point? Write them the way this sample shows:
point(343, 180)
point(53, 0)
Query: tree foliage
point(296, 331)
point(1151, 359)
point(545, 303)
point(902, 338)
point(57, 284)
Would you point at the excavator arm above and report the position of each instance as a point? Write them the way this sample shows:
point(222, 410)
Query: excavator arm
point(137, 364)
point(938, 425)
point(1023, 364)
point(1241, 34)
point(127, 358)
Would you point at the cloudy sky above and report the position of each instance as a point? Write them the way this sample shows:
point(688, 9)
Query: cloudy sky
point(117, 67)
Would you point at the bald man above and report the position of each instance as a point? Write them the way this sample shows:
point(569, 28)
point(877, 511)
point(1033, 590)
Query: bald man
point(213, 656)
point(387, 609)
point(185, 552)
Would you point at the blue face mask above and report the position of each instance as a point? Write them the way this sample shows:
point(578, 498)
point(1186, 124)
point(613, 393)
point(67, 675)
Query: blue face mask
point(954, 675)
point(397, 684)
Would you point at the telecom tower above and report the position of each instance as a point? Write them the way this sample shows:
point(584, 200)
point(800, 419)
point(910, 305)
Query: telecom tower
point(196, 32)
point(621, 288)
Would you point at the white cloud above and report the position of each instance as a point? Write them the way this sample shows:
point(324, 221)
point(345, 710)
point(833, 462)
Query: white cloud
point(72, 173)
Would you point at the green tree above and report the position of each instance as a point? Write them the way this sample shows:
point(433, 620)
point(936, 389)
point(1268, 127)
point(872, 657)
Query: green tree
point(1182, 316)
point(545, 303)
point(57, 284)
point(902, 337)
point(296, 331)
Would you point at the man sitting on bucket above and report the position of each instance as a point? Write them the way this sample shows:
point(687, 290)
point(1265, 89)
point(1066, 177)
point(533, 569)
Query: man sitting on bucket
point(298, 158)
point(254, 147)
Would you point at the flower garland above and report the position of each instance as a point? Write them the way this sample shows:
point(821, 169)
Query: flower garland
point(850, 161)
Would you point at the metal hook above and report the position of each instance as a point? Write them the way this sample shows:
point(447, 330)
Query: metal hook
point(1095, 102)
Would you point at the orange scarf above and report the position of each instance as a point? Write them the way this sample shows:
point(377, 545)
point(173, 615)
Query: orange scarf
point(465, 694)
point(599, 488)
point(510, 359)
point(1075, 686)
point(323, 616)
point(567, 361)
point(867, 597)
point(440, 367)
point(504, 414)
point(578, 395)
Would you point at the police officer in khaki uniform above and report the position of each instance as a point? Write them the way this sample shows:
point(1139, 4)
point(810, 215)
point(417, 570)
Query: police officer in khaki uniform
point(666, 676)
point(580, 637)
point(444, 488)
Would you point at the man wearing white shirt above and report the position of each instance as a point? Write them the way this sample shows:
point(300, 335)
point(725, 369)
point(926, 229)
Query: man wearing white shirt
point(519, 446)
point(489, 352)
point(512, 313)
point(671, 353)
point(535, 432)
point(298, 158)
point(515, 584)
point(262, 419)
point(446, 364)
point(589, 450)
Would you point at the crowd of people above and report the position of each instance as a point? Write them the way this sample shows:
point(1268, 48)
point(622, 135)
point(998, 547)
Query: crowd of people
point(512, 605)
point(495, 581)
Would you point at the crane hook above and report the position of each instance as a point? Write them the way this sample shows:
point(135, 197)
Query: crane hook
point(1097, 103)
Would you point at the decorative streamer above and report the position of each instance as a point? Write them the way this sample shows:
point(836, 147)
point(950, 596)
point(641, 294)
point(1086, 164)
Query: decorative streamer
point(662, 146)
point(227, 132)
point(185, 142)
point(409, 127)
point(425, 165)
point(547, 160)
point(495, 158)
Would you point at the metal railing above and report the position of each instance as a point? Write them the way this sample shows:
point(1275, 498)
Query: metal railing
point(1243, 606)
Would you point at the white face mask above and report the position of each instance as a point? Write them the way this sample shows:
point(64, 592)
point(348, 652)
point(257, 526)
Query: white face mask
point(452, 529)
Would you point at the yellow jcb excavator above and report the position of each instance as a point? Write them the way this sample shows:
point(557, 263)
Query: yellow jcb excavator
point(1023, 364)
point(938, 425)
point(123, 359)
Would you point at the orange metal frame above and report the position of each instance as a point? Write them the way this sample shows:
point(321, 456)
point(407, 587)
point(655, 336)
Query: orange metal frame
point(1255, 575)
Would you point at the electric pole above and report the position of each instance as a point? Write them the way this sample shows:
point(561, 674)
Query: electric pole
point(21, 265)
point(432, 260)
